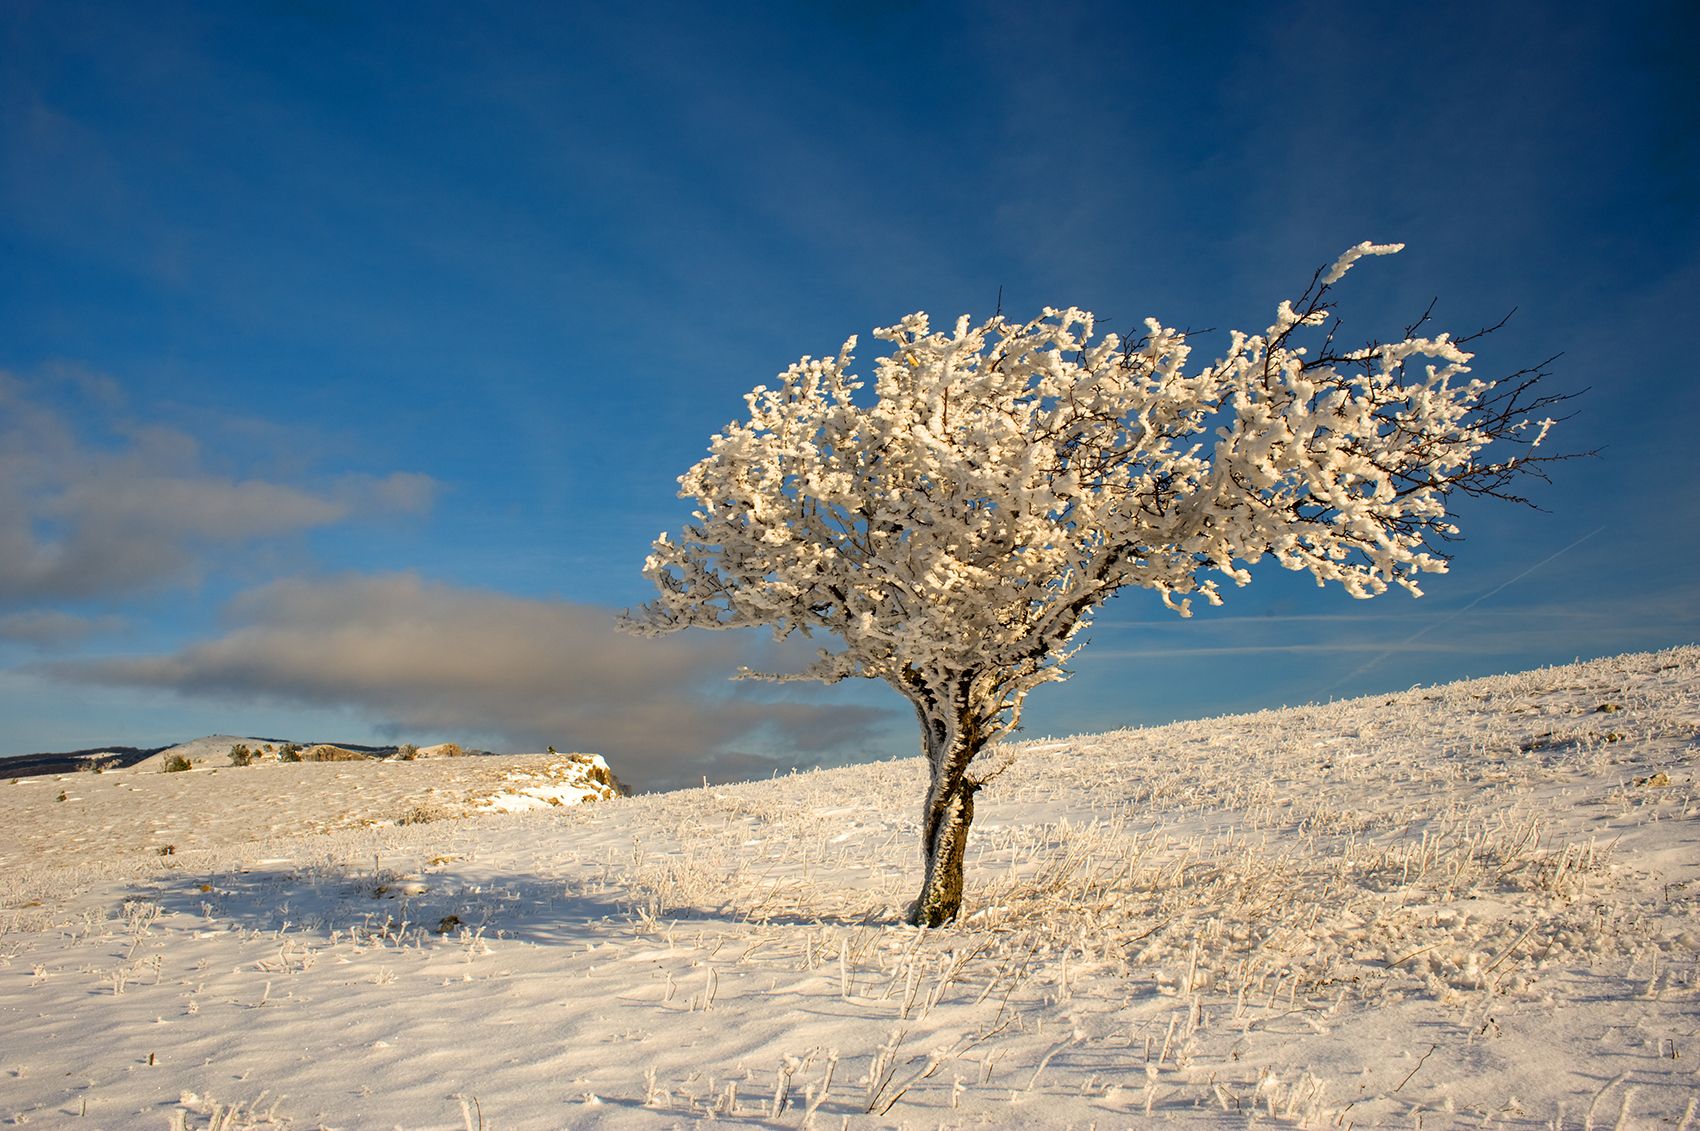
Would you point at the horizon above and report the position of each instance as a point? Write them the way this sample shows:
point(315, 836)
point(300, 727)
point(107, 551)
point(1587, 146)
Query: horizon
point(359, 352)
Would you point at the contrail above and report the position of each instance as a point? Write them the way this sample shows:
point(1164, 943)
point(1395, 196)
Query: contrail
point(1426, 629)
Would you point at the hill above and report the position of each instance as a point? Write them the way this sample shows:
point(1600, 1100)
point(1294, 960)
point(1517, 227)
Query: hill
point(213, 748)
point(125, 815)
point(1469, 905)
point(71, 761)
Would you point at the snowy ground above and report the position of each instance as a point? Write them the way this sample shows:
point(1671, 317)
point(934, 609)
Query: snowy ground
point(1475, 905)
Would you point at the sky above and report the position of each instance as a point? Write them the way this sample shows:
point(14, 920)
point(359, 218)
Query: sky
point(349, 354)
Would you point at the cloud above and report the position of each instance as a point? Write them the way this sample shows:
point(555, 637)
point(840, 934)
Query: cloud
point(96, 505)
point(46, 628)
point(431, 660)
point(1327, 647)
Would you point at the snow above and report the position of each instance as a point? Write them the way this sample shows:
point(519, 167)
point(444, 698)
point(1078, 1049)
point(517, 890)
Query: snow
point(1470, 905)
point(570, 779)
point(1352, 255)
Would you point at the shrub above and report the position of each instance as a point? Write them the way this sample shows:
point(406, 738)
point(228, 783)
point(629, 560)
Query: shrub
point(327, 753)
point(240, 755)
point(289, 752)
point(176, 764)
point(422, 814)
point(406, 752)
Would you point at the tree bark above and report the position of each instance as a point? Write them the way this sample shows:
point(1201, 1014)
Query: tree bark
point(954, 728)
point(944, 847)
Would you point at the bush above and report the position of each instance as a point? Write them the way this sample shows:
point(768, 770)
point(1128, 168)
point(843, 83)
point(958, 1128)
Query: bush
point(289, 752)
point(406, 752)
point(176, 764)
point(328, 753)
point(240, 755)
point(422, 814)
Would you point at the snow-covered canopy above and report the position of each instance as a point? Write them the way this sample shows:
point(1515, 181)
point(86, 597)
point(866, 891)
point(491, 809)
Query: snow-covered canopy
point(1008, 477)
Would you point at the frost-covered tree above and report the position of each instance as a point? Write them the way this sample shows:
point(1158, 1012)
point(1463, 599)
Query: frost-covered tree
point(956, 530)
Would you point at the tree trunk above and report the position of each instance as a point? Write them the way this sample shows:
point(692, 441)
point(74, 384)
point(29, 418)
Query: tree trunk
point(953, 730)
point(944, 847)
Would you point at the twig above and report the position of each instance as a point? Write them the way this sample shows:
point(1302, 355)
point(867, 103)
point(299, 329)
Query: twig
point(932, 1066)
point(1514, 945)
point(1420, 1062)
point(1398, 962)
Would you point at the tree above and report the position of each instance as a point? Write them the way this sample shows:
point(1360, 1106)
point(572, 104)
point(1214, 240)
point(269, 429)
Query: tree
point(957, 533)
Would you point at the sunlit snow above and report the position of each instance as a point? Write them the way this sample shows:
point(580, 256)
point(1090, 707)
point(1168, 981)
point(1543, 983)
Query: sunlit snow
point(1470, 905)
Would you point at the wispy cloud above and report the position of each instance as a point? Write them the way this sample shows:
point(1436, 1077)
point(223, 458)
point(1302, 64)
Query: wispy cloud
point(1627, 622)
point(50, 627)
point(1449, 618)
point(95, 504)
point(1329, 647)
point(1235, 622)
point(431, 660)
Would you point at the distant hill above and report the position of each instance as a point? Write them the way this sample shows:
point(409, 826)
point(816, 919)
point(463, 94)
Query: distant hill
point(123, 757)
point(70, 761)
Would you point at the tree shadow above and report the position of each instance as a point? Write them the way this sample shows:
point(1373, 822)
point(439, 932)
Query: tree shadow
point(331, 901)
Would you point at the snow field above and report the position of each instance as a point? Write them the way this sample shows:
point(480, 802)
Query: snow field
point(1472, 905)
point(110, 818)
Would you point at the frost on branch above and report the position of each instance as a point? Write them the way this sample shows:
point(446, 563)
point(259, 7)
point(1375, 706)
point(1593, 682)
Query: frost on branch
point(1353, 254)
point(955, 530)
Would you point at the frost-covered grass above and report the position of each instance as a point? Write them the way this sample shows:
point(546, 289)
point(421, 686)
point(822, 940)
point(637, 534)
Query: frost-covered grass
point(1473, 905)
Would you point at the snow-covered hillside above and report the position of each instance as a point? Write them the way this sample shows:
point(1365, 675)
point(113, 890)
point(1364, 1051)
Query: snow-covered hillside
point(1473, 905)
point(113, 819)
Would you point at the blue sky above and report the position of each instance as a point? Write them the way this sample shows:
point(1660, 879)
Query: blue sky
point(348, 354)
